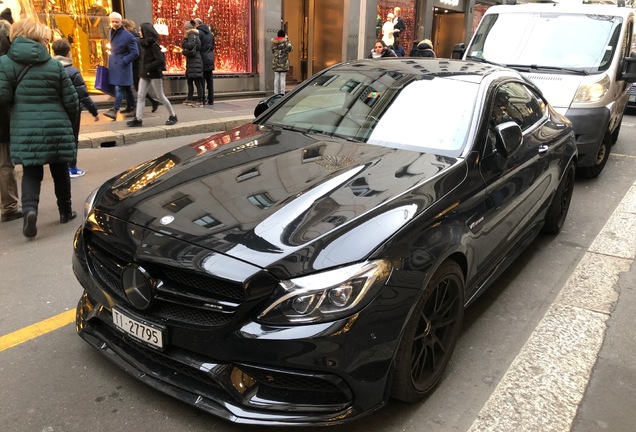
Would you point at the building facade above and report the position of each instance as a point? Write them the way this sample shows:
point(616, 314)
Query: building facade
point(322, 32)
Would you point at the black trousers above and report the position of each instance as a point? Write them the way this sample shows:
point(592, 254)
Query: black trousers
point(209, 83)
point(198, 82)
point(32, 180)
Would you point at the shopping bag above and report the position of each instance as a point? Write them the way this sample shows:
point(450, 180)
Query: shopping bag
point(161, 27)
point(101, 81)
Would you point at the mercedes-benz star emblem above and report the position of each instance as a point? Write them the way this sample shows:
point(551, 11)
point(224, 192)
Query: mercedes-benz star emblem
point(138, 286)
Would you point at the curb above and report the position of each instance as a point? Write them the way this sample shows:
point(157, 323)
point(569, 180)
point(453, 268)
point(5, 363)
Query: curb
point(133, 135)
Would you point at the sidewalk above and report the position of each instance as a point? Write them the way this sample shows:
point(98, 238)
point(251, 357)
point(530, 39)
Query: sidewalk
point(224, 114)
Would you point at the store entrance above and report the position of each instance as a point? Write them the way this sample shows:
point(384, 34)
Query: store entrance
point(315, 29)
point(448, 30)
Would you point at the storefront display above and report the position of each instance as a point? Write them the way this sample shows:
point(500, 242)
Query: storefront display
point(85, 24)
point(229, 20)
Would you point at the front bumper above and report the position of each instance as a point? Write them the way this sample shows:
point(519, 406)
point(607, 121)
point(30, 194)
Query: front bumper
point(247, 373)
point(590, 126)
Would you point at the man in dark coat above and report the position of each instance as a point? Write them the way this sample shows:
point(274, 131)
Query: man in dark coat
point(423, 49)
point(207, 55)
point(123, 52)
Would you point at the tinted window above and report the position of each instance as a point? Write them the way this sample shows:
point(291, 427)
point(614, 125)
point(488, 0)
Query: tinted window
point(516, 102)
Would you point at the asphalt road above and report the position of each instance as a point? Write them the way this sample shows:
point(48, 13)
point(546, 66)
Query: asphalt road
point(56, 382)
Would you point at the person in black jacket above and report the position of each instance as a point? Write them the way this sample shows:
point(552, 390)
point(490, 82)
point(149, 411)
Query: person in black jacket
point(62, 49)
point(191, 49)
point(207, 56)
point(380, 49)
point(130, 25)
point(423, 49)
point(151, 68)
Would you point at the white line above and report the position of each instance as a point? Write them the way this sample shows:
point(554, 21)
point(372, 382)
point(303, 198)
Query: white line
point(543, 387)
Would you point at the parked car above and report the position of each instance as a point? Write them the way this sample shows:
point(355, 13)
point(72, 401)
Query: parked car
point(303, 268)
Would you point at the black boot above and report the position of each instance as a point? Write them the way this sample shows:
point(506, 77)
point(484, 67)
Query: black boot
point(155, 103)
point(29, 228)
point(67, 216)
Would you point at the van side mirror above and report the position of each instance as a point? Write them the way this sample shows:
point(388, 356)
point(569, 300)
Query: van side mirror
point(628, 72)
point(508, 137)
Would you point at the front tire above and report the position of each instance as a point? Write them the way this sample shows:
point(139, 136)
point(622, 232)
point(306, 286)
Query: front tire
point(558, 210)
point(601, 159)
point(430, 336)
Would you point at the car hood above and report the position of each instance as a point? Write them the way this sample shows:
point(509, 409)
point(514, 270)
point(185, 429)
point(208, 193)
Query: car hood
point(267, 196)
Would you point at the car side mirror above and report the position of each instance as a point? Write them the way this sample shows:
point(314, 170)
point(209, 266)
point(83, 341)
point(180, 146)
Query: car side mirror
point(508, 137)
point(265, 104)
point(628, 72)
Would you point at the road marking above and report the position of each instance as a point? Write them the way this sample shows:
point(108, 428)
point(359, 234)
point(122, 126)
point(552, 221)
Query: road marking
point(545, 384)
point(37, 329)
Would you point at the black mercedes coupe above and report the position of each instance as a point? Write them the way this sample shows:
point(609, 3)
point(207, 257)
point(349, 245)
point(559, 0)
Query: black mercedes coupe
point(306, 267)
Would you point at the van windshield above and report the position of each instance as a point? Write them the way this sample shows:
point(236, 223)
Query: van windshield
point(575, 42)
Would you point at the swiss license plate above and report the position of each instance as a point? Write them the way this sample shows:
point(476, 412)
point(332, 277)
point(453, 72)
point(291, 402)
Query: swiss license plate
point(147, 333)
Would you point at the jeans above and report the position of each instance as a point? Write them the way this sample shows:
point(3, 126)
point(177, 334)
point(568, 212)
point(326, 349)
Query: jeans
point(32, 181)
point(156, 87)
point(279, 82)
point(119, 96)
point(8, 182)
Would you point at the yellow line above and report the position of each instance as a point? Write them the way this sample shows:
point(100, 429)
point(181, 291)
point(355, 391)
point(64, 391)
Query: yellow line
point(37, 329)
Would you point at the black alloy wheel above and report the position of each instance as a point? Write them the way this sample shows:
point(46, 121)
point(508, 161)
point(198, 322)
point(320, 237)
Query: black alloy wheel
point(430, 336)
point(558, 210)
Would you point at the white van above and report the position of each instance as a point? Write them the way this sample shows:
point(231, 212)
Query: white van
point(578, 55)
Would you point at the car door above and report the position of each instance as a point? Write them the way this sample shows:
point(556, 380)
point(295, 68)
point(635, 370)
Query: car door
point(516, 183)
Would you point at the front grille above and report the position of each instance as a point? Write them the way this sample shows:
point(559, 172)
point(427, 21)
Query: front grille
point(183, 296)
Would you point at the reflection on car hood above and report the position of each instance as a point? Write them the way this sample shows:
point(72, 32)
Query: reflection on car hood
point(265, 195)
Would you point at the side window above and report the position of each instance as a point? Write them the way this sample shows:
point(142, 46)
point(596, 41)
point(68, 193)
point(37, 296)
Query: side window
point(515, 102)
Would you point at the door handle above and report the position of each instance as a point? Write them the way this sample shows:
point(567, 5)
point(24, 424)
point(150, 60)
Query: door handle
point(543, 148)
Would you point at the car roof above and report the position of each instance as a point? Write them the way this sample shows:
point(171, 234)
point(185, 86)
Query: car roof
point(468, 70)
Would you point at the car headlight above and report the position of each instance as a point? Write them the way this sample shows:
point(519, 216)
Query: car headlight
point(326, 296)
point(592, 92)
point(90, 202)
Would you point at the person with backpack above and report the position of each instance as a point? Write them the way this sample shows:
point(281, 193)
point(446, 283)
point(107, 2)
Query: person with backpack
point(62, 51)
point(45, 108)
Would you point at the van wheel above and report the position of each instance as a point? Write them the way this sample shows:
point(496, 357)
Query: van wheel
point(601, 159)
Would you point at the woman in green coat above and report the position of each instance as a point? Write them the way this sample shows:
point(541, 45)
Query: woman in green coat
point(44, 106)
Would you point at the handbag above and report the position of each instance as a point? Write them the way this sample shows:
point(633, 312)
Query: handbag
point(101, 81)
point(161, 27)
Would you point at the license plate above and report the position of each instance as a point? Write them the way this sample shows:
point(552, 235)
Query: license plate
point(632, 98)
point(148, 333)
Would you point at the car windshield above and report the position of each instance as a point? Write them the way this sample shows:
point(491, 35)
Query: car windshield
point(383, 107)
point(578, 42)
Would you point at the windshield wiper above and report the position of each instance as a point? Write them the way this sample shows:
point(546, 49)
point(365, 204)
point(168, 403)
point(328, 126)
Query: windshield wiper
point(483, 60)
point(534, 67)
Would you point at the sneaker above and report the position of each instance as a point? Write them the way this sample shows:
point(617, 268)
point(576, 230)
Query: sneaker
point(172, 120)
point(129, 110)
point(111, 113)
point(188, 102)
point(75, 172)
point(197, 104)
point(134, 122)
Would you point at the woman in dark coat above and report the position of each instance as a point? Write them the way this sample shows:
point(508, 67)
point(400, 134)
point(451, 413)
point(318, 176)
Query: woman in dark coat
point(191, 49)
point(423, 49)
point(380, 49)
point(151, 67)
point(45, 107)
